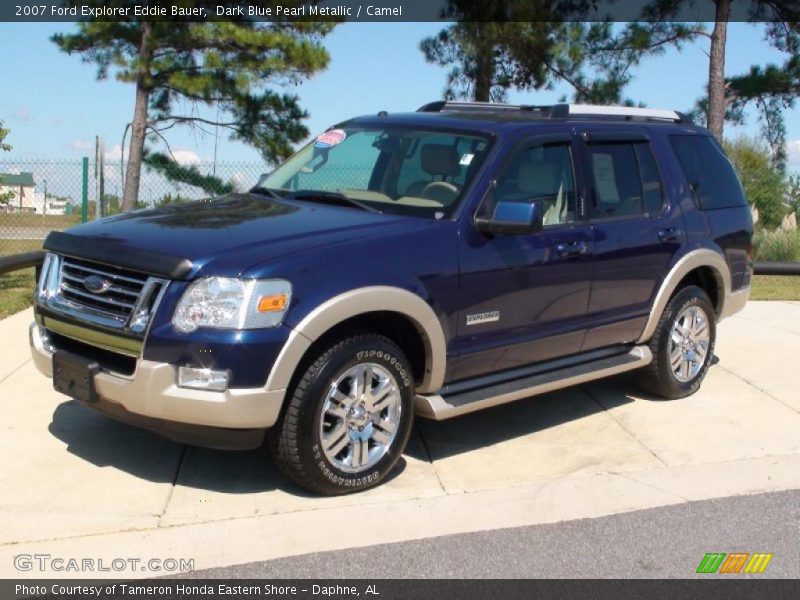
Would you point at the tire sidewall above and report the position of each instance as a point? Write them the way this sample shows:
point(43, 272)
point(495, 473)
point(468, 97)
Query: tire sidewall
point(690, 296)
point(355, 351)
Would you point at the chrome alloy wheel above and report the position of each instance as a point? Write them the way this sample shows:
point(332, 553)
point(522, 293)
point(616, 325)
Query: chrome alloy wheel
point(688, 343)
point(360, 417)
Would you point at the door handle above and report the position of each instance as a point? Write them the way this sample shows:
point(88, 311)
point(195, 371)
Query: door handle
point(572, 249)
point(669, 234)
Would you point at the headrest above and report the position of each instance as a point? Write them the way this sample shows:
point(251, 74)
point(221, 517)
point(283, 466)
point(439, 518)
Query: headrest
point(538, 178)
point(440, 159)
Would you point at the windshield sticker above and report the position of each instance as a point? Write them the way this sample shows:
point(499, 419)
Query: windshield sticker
point(466, 159)
point(329, 139)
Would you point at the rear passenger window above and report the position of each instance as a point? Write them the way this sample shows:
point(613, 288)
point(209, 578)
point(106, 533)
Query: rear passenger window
point(651, 180)
point(626, 180)
point(708, 171)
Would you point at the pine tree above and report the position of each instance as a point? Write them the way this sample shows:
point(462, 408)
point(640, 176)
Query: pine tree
point(227, 64)
point(721, 94)
point(533, 44)
point(771, 88)
point(4, 147)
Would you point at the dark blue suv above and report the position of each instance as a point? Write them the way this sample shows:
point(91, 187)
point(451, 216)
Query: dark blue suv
point(437, 262)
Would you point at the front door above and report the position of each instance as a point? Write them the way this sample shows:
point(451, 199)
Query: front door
point(524, 297)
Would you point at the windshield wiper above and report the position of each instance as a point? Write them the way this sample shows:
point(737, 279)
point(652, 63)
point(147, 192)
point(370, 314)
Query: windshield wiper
point(334, 198)
point(265, 191)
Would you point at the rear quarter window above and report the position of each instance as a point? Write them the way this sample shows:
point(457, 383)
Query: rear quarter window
point(708, 172)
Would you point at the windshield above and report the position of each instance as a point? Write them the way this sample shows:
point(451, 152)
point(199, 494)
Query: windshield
point(394, 170)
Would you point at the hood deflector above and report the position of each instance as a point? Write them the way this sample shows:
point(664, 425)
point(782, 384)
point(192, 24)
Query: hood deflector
point(111, 253)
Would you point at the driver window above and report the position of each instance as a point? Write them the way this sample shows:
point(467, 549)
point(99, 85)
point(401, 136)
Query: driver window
point(542, 173)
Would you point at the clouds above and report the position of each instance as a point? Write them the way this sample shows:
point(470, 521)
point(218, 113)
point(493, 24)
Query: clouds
point(23, 114)
point(186, 157)
point(81, 145)
point(114, 154)
point(793, 154)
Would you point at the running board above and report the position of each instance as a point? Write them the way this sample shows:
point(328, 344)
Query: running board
point(435, 406)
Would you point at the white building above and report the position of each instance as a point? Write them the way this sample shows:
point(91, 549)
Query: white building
point(54, 206)
point(21, 188)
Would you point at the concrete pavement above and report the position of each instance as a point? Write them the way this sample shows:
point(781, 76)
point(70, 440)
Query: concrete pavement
point(76, 484)
point(664, 542)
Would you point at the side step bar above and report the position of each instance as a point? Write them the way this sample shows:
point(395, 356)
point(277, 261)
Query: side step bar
point(435, 406)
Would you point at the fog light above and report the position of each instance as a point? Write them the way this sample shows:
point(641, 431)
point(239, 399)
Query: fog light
point(202, 379)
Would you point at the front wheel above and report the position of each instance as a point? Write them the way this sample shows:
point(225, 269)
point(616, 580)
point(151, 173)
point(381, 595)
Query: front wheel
point(349, 417)
point(682, 346)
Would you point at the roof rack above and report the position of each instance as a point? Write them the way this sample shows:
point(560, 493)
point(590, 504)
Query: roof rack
point(561, 111)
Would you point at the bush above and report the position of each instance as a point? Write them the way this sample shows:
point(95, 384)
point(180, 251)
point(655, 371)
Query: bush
point(777, 246)
point(763, 184)
point(793, 193)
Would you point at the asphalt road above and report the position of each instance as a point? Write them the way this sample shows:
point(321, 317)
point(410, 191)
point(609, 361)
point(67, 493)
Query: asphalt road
point(667, 542)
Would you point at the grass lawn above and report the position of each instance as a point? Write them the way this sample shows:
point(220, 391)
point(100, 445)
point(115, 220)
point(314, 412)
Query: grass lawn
point(18, 246)
point(775, 287)
point(11, 220)
point(16, 290)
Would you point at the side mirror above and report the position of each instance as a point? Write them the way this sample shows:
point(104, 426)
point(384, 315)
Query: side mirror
point(513, 218)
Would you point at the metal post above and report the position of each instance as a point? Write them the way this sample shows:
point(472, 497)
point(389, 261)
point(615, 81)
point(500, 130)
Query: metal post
point(85, 200)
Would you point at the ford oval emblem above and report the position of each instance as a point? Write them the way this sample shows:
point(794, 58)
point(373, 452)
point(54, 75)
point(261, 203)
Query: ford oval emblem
point(96, 284)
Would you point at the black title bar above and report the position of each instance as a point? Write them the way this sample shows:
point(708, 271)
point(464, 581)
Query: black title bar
point(32, 11)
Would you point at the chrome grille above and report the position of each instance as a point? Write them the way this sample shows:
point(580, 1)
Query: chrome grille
point(117, 300)
point(109, 296)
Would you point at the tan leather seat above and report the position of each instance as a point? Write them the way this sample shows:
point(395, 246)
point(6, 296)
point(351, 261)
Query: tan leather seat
point(438, 160)
point(539, 180)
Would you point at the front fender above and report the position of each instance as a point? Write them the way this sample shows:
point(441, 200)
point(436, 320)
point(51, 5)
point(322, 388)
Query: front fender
point(358, 302)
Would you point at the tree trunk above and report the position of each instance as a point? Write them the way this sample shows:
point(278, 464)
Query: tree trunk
point(133, 174)
point(484, 62)
point(716, 70)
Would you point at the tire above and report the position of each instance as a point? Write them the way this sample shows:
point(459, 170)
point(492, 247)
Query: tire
point(681, 375)
point(336, 442)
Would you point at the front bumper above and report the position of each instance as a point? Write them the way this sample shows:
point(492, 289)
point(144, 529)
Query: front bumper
point(151, 398)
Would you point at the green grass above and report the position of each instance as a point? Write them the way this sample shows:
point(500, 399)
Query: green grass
point(775, 287)
point(11, 220)
point(16, 288)
point(17, 246)
point(16, 291)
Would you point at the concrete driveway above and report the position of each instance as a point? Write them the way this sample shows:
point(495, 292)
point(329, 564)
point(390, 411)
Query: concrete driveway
point(74, 484)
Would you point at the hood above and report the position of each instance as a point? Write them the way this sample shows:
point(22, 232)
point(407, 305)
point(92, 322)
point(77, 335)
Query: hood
point(222, 236)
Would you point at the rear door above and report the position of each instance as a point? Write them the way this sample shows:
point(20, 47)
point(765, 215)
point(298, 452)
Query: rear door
point(636, 232)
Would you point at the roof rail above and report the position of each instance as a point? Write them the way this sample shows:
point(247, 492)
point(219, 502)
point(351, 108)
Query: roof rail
point(561, 111)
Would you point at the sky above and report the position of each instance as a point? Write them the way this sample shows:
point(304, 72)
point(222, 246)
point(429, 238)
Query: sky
point(54, 106)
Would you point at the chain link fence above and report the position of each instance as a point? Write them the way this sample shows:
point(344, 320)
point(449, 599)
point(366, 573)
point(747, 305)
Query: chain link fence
point(40, 196)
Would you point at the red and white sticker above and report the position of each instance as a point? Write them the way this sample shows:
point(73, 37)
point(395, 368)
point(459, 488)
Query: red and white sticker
point(331, 138)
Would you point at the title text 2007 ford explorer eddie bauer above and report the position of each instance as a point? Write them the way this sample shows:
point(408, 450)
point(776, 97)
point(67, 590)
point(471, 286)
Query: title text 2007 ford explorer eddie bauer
point(436, 262)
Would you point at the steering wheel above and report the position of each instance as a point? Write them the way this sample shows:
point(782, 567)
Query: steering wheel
point(441, 191)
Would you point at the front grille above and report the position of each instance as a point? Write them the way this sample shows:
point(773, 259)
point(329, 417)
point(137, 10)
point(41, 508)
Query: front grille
point(118, 300)
point(106, 296)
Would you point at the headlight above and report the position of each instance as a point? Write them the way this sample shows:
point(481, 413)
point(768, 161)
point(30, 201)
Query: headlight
point(227, 303)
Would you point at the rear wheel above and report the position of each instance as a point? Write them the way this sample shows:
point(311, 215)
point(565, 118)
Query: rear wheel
point(349, 417)
point(682, 346)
